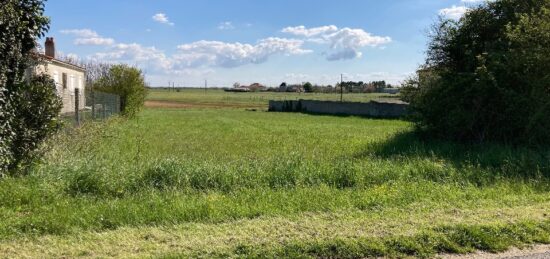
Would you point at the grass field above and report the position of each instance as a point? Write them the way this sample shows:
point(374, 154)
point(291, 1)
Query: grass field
point(217, 98)
point(204, 182)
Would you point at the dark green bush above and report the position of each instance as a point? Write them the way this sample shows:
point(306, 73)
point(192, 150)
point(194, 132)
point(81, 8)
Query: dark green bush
point(487, 76)
point(21, 23)
point(36, 117)
point(6, 132)
point(127, 82)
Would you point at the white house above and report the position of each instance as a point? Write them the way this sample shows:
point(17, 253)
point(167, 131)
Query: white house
point(68, 77)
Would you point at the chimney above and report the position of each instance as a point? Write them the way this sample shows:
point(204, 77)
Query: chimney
point(50, 47)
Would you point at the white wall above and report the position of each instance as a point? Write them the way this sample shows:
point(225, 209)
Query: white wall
point(74, 80)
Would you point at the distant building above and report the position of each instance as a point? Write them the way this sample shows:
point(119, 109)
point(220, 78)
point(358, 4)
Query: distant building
point(68, 77)
point(295, 88)
point(255, 87)
point(239, 89)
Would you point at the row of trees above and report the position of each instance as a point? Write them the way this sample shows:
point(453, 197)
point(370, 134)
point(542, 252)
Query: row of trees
point(487, 75)
point(349, 87)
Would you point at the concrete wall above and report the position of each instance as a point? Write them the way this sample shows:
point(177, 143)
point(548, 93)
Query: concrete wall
point(376, 109)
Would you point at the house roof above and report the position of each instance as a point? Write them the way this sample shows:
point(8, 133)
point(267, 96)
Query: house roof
point(60, 62)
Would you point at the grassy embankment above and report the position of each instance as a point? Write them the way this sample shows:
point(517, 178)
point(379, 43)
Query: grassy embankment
point(227, 182)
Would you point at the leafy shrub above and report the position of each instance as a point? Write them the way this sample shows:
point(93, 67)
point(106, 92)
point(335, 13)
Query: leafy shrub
point(21, 23)
point(127, 82)
point(487, 76)
point(36, 117)
point(6, 132)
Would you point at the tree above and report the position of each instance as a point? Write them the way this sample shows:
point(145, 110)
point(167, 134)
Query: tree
point(21, 23)
point(128, 83)
point(308, 87)
point(486, 77)
point(36, 117)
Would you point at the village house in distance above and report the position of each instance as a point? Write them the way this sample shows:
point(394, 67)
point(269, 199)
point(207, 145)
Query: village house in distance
point(68, 77)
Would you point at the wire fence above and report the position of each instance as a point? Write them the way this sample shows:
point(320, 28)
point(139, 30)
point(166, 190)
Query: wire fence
point(91, 106)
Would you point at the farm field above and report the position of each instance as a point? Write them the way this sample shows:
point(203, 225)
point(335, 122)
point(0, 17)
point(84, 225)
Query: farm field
point(227, 182)
point(217, 98)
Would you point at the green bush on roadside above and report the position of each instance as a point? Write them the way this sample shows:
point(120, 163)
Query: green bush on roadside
point(127, 82)
point(487, 76)
point(28, 106)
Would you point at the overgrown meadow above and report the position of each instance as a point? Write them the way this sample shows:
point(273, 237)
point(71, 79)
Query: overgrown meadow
point(230, 182)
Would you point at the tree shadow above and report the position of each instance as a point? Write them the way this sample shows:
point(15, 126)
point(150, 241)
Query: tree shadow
point(475, 163)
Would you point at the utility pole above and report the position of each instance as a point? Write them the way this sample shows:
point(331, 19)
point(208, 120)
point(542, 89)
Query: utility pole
point(341, 88)
point(205, 85)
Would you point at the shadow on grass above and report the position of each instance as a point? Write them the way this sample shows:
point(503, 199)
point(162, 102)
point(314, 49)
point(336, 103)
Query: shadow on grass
point(477, 163)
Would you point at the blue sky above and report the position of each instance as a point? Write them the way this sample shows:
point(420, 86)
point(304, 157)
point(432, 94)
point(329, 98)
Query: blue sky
point(250, 41)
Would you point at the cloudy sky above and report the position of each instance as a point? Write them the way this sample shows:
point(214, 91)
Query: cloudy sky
point(250, 41)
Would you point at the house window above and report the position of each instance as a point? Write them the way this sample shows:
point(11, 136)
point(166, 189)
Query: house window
point(64, 78)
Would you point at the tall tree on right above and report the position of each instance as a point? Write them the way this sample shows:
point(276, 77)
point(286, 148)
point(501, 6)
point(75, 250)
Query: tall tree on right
point(487, 75)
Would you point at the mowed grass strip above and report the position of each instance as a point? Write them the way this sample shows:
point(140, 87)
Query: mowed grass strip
point(212, 168)
point(349, 233)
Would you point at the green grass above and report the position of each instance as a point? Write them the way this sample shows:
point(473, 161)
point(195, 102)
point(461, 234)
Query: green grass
point(217, 97)
point(228, 182)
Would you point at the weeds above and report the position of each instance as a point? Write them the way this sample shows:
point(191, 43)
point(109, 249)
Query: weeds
point(211, 167)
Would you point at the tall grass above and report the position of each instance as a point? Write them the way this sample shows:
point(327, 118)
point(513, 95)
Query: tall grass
point(172, 167)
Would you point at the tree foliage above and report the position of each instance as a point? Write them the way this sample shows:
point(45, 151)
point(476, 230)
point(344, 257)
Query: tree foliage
point(308, 87)
point(36, 116)
point(486, 76)
point(22, 22)
point(127, 82)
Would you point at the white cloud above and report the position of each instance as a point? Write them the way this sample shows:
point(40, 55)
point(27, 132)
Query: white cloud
point(226, 26)
point(146, 57)
point(312, 32)
point(200, 54)
point(345, 42)
point(88, 37)
point(94, 41)
point(454, 12)
point(198, 57)
point(162, 18)
point(344, 54)
point(217, 53)
point(82, 33)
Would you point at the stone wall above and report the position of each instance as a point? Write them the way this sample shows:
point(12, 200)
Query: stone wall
point(377, 109)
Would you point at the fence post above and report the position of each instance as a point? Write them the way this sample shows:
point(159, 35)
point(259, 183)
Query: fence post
point(92, 95)
point(77, 105)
